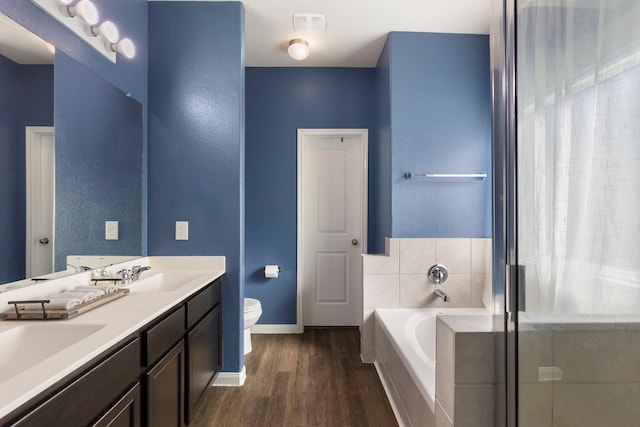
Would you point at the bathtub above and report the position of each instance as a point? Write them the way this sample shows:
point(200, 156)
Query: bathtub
point(405, 358)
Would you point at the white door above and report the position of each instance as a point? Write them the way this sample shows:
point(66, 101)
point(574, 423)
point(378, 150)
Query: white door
point(331, 225)
point(40, 188)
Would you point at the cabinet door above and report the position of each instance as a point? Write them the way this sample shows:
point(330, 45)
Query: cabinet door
point(203, 358)
point(165, 390)
point(125, 412)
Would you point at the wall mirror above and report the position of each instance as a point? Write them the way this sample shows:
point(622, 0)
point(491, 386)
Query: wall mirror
point(71, 140)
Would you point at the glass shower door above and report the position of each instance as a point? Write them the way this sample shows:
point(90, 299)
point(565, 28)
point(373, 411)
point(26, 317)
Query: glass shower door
point(576, 264)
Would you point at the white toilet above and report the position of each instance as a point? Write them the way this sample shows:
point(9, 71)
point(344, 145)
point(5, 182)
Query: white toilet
point(252, 312)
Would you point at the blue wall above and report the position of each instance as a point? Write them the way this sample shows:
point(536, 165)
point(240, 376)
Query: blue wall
point(440, 106)
point(279, 101)
point(27, 100)
point(196, 150)
point(97, 165)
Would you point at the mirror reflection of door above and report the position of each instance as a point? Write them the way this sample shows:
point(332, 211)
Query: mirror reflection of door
point(40, 192)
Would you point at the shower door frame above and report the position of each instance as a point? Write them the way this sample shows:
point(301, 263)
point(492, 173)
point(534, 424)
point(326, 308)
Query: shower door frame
point(505, 255)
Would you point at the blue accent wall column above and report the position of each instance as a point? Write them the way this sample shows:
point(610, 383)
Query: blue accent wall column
point(440, 109)
point(196, 143)
point(279, 102)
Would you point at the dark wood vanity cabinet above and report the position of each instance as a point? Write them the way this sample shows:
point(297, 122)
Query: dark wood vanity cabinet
point(156, 378)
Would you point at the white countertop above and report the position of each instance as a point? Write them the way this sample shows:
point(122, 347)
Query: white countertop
point(110, 323)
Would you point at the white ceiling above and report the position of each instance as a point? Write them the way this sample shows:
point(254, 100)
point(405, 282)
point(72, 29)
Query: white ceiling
point(356, 29)
point(355, 34)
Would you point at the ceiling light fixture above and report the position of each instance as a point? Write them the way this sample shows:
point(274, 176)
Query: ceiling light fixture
point(298, 49)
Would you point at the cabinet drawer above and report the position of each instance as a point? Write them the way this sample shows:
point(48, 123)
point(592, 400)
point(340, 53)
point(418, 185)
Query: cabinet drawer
point(163, 335)
point(201, 303)
point(80, 402)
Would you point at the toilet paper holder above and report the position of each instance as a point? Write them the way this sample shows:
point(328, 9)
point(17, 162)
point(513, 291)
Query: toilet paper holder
point(272, 271)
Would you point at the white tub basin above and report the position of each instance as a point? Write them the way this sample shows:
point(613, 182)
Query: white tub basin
point(27, 345)
point(165, 281)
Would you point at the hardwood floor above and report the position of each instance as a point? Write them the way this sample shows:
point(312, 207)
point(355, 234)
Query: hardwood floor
point(311, 379)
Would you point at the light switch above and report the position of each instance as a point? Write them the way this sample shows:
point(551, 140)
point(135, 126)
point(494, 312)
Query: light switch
point(182, 230)
point(111, 230)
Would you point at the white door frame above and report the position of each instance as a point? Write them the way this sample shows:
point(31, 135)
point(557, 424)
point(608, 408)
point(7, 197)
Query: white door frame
point(32, 136)
point(363, 134)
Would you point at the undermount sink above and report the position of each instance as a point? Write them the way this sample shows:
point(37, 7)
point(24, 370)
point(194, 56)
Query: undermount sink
point(165, 281)
point(27, 345)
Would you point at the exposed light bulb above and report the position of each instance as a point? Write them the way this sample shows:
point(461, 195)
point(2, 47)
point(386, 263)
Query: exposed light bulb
point(106, 30)
point(125, 47)
point(298, 49)
point(85, 10)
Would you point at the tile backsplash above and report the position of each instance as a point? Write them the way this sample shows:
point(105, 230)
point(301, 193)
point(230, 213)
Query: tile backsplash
point(398, 279)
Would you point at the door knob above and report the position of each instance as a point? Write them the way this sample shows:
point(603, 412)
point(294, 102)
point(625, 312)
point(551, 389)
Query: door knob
point(354, 242)
point(44, 241)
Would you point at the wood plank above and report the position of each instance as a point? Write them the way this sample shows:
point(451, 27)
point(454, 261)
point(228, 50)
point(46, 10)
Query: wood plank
point(315, 379)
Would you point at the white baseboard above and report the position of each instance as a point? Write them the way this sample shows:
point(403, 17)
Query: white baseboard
point(230, 379)
point(275, 329)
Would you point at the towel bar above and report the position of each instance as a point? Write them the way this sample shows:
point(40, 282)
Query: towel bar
point(409, 175)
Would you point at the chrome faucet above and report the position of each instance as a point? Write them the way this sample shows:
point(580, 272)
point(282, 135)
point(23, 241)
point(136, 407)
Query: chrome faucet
point(131, 274)
point(442, 294)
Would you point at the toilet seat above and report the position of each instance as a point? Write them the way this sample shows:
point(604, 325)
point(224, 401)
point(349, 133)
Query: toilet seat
point(251, 304)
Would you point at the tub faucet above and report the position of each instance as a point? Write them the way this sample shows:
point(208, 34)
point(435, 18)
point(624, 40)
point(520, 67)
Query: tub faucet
point(442, 294)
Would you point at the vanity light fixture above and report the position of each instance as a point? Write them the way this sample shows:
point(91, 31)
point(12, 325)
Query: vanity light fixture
point(82, 17)
point(298, 49)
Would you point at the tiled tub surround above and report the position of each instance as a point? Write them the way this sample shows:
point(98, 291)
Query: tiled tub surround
point(594, 379)
point(420, 381)
point(465, 371)
point(398, 279)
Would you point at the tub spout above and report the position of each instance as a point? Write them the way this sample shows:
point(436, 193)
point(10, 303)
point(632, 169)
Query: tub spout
point(442, 294)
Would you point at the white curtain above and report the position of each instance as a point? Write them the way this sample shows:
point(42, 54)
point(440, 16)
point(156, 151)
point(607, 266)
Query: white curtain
point(578, 73)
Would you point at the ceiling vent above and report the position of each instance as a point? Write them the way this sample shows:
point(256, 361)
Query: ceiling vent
point(309, 23)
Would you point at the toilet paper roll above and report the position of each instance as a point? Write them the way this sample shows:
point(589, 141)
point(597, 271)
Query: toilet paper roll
point(271, 271)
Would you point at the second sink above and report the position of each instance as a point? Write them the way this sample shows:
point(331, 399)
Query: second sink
point(165, 281)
